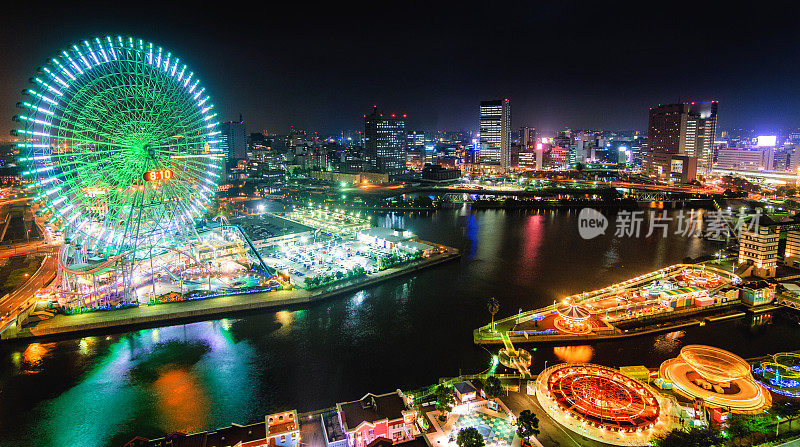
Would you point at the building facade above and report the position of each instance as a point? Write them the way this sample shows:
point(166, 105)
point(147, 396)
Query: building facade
point(377, 416)
point(276, 430)
point(680, 140)
point(759, 247)
point(495, 133)
point(745, 159)
point(385, 141)
point(792, 251)
point(234, 141)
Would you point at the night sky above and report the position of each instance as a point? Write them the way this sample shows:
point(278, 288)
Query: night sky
point(322, 67)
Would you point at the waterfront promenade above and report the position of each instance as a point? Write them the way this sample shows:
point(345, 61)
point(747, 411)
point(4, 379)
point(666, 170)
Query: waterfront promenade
point(200, 309)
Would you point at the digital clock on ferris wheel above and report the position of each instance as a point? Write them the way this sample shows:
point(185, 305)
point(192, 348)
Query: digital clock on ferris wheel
point(159, 174)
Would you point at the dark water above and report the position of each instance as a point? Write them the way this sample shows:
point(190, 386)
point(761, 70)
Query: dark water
point(405, 333)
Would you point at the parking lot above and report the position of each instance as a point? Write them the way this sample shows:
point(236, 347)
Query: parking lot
point(307, 260)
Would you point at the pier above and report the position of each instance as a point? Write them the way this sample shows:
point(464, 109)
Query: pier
point(668, 299)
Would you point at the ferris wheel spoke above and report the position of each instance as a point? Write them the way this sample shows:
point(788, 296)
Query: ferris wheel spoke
point(99, 122)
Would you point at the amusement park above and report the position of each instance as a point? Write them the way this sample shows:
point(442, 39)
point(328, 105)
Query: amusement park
point(122, 150)
point(170, 278)
point(121, 145)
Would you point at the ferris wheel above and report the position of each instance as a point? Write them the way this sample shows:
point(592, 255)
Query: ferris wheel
point(121, 143)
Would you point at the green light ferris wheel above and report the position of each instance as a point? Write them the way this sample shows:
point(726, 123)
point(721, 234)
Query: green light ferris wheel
point(120, 142)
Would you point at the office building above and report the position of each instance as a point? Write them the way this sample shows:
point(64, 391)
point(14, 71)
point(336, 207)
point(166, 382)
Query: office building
point(437, 173)
point(527, 139)
point(234, 140)
point(495, 133)
point(753, 159)
point(385, 141)
point(681, 140)
point(415, 140)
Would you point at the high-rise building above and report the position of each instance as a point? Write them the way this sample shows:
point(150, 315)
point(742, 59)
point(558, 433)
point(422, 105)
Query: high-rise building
point(527, 139)
point(495, 132)
point(234, 140)
point(385, 141)
point(681, 139)
point(701, 132)
point(415, 139)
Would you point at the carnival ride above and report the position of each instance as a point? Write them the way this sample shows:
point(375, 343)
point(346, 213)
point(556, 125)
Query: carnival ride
point(702, 278)
point(573, 319)
point(781, 375)
point(718, 377)
point(601, 403)
point(121, 143)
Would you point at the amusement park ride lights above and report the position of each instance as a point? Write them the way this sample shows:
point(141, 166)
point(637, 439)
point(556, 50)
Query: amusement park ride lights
point(122, 146)
point(600, 403)
point(781, 375)
point(573, 318)
point(701, 277)
point(719, 377)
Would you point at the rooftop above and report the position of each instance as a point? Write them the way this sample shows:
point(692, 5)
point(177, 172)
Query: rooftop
point(464, 388)
point(389, 234)
point(265, 226)
point(281, 423)
point(371, 408)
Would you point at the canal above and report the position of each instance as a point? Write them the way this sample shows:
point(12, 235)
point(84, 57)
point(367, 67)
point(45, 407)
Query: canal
point(405, 333)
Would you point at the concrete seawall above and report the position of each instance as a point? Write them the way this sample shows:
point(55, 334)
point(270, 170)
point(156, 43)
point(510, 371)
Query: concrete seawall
point(203, 309)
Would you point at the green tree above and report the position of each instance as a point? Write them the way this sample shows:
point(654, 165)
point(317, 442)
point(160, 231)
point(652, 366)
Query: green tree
point(444, 401)
point(744, 426)
point(469, 437)
point(694, 437)
point(493, 387)
point(494, 307)
point(789, 409)
point(527, 425)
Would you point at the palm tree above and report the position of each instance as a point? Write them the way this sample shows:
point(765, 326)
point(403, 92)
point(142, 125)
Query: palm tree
point(494, 307)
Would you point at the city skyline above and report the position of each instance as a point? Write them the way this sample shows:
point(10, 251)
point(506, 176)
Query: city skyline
point(576, 66)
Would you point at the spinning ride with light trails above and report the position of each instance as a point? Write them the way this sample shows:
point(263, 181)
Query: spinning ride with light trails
point(121, 143)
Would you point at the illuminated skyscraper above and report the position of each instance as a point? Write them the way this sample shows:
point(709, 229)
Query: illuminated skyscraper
point(495, 129)
point(385, 141)
point(234, 140)
point(681, 140)
point(527, 139)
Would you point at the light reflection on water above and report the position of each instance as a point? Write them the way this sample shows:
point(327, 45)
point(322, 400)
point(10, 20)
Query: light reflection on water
point(574, 354)
point(404, 333)
point(182, 401)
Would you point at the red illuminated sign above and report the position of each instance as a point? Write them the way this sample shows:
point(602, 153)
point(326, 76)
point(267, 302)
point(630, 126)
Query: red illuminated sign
point(160, 174)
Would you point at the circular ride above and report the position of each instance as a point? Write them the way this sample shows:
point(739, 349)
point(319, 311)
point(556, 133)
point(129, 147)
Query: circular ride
point(573, 319)
point(719, 377)
point(121, 144)
point(600, 403)
point(781, 375)
point(701, 277)
point(120, 141)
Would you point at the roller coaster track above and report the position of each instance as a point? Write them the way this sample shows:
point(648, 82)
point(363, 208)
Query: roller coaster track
point(111, 260)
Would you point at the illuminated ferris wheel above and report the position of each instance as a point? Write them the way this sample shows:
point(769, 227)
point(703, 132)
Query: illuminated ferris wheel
point(121, 143)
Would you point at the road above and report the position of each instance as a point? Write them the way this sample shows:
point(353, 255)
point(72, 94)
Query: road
point(552, 434)
point(17, 300)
